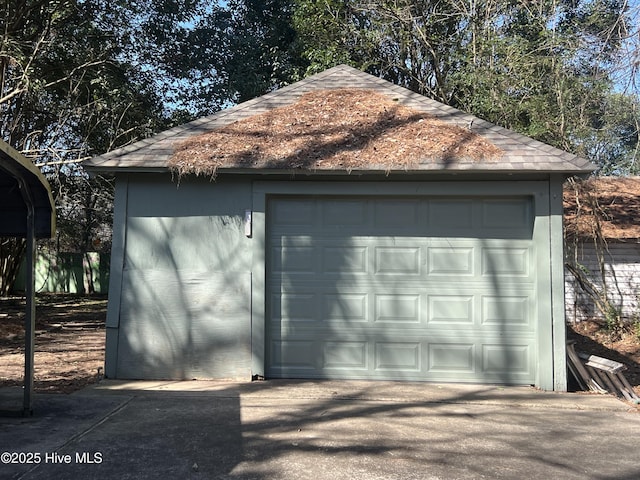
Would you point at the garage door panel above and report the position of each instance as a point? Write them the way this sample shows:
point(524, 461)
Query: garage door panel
point(506, 262)
point(451, 358)
point(397, 260)
point(292, 259)
point(301, 213)
point(398, 356)
point(340, 213)
point(345, 355)
point(344, 259)
point(398, 308)
point(292, 352)
point(391, 214)
point(450, 261)
point(450, 217)
point(507, 311)
point(506, 359)
point(417, 288)
point(293, 307)
point(347, 307)
point(451, 309)
point(508, 218)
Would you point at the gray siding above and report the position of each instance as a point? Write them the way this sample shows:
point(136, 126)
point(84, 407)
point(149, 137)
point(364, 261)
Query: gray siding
point(622, 267)
point(183, 302)
point(187, 291)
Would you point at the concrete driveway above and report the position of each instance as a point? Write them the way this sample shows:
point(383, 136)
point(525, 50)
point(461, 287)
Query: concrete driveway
point(319, 430)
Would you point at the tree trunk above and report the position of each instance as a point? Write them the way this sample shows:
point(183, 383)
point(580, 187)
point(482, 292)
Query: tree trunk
point(11, 254)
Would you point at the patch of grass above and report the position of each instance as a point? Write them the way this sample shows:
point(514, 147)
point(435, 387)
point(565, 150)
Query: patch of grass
point(613, 323)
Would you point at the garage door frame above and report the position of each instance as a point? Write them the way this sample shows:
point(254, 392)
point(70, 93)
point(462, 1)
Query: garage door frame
point(547, 234)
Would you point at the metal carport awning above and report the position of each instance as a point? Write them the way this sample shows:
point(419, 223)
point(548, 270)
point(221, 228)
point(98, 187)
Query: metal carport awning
point(26, 211)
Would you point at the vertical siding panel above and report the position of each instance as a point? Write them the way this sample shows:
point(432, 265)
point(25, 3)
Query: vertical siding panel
point(258, 300)
point(118, 248)
point(557, 284)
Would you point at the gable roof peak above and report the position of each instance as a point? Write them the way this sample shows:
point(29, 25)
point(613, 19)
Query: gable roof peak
point(520, 153)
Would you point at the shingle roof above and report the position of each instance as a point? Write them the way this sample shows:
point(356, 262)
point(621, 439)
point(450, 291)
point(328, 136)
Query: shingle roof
point(605, 207)
point(520, 153)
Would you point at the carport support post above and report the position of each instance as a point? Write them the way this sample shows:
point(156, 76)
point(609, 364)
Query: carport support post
point(30, 317)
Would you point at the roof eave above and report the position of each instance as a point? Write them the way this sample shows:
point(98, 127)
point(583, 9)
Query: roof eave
point(567, 171)
point(113, 170)
point(386, 172)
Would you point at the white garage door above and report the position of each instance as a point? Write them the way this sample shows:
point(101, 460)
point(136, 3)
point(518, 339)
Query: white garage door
point(434, 289)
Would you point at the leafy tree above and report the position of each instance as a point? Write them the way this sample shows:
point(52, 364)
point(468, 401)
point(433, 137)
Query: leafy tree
point(63, 94)
point(612, 142)
point(81, 77)
point(546, 68)
point(207, 55)
point(263, 47)
point(335, 32)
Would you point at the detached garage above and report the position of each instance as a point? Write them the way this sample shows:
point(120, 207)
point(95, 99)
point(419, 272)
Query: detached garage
point(341, 227)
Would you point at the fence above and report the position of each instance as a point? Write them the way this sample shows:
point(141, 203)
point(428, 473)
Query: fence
point(69, 273)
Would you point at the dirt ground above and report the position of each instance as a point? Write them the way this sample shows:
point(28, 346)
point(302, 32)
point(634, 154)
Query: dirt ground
point(622, 346)
point(70, 335)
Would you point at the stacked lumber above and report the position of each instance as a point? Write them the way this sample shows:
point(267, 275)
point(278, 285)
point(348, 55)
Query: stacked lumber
point(599, 374)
